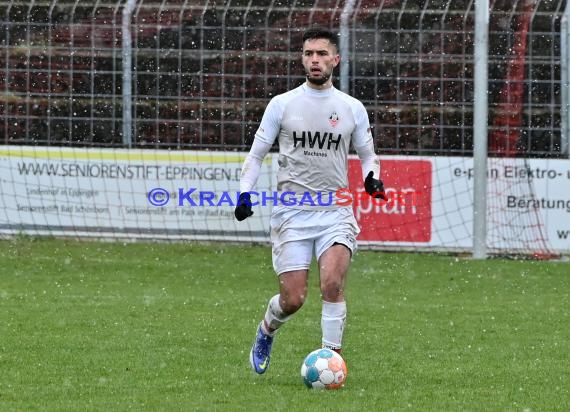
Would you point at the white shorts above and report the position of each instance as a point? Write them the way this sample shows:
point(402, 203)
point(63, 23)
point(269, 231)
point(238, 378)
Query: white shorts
point(296, 233)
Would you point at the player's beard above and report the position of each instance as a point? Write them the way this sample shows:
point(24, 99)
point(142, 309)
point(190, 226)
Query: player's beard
point(319, 81)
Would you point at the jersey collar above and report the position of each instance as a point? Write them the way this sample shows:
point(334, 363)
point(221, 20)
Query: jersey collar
point(319, 93)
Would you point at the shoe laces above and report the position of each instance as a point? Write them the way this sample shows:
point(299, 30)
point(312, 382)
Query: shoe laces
point(263, 344)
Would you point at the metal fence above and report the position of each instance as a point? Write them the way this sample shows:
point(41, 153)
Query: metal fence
point(201, 72)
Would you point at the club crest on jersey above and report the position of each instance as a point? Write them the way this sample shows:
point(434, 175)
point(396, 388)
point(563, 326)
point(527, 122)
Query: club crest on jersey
point(333, 119)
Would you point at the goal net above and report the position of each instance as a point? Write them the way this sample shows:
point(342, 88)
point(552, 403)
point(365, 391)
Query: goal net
point(517, 222)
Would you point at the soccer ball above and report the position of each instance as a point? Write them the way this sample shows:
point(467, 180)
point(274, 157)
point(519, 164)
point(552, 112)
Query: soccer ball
point(324, 369)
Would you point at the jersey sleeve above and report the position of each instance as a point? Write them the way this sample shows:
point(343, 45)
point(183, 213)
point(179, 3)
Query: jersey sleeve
point(364, 143)
point(252, 165)
point(265, 136)
point(368, 160)
point(362, 134)
point(270, 124)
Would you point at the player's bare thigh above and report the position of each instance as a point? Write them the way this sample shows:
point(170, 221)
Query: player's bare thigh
point(293, 289)
point(333, 267)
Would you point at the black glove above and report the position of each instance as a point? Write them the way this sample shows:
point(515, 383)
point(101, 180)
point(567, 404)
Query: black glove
point(243, 208)
point(374, 187)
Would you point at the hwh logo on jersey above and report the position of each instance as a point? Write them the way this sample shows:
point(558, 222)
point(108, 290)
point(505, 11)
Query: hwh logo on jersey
point(317, 138)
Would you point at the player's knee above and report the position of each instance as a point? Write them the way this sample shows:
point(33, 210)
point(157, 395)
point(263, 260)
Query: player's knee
point(293, 302)
point(332, 290)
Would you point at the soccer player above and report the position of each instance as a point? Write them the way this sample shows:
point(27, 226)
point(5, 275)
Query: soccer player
point(315, 124)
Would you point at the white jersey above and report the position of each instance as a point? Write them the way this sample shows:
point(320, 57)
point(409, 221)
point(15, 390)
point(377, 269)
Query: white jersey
point(315, 129)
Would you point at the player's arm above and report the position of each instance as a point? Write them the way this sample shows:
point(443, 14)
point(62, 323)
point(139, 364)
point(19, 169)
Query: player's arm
point(264, 139)
point(249, 175)
point(370, 168)
point(364, 145)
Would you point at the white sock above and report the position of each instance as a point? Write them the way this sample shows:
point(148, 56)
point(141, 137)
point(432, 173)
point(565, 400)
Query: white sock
point(332, 323)
point(274, 316)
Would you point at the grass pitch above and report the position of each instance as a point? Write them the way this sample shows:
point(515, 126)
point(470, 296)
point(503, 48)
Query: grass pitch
point(168, 327)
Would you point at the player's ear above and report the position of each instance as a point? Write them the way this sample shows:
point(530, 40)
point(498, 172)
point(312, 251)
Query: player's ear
point(336, 59)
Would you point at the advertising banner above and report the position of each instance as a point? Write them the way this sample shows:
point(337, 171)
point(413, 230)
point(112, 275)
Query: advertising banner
point(405, 216)
point(528, 203)
point(145, 193)
point(157, 194)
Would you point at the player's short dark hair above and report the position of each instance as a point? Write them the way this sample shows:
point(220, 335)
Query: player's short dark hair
point(320, 33)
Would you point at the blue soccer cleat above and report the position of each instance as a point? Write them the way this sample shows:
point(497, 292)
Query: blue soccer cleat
point(260, 351)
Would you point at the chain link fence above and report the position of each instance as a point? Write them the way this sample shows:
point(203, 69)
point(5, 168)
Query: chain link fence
point(202, 71)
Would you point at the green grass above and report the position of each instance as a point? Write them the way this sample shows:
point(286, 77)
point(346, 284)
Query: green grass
point(139, 326)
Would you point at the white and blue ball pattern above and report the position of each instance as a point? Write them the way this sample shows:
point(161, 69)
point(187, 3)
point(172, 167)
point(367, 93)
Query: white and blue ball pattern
point(324, 369)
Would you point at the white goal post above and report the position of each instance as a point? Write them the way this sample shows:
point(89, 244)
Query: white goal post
point(480, 129)
point(565, 81)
